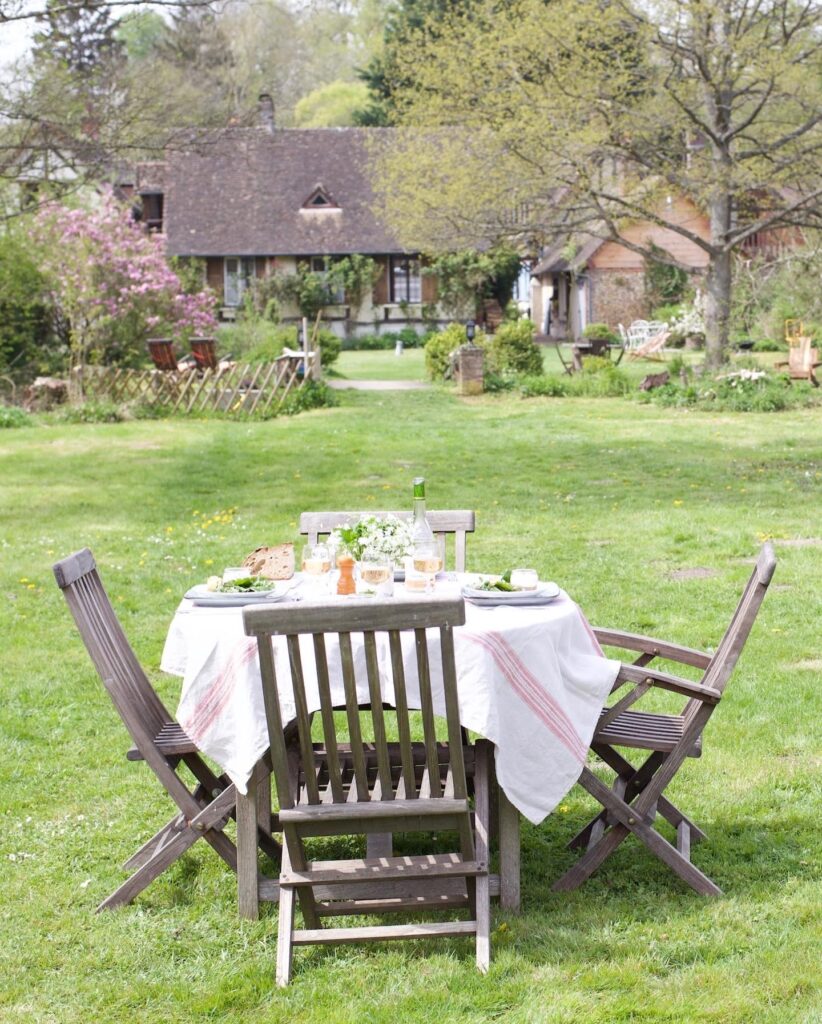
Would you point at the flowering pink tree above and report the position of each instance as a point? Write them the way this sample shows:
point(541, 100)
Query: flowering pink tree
point(111, 283)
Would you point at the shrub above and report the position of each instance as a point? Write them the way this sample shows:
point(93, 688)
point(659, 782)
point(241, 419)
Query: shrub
point(439, 347)
point(668, 312)
point(513, 348)
point(312, 395)
point(600, 332)
point(738, 391)
point(768, 345)
point(93, 411)
point(330, 346)
point(544, 386)
point(372, 342)
point(10, 416)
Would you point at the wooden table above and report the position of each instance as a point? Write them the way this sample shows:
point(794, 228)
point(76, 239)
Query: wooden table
point(532, 681)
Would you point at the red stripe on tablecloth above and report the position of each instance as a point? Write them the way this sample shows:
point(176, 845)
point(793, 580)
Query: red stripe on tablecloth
point(590, 633)
point(531, 693)
point(541, 694)
point(220, 692)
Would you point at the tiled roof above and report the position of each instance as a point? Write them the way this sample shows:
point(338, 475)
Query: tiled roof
point(242, 193)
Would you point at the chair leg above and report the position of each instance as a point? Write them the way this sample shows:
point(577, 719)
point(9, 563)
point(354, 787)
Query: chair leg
point(151, 846)
point(150, 870)
point(482, 892)
point(285, 933)
point(632, 823)
point(669, 811)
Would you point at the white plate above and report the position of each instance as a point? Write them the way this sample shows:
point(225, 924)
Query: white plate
point(201, 595)
point(544, 593)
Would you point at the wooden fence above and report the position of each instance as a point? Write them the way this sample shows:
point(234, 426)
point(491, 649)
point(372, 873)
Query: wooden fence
point(238, 388)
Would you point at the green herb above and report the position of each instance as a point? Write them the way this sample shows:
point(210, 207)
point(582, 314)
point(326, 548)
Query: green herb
point(245, 585)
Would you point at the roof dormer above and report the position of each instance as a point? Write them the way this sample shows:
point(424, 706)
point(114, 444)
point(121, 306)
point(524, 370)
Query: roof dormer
point(320, 199)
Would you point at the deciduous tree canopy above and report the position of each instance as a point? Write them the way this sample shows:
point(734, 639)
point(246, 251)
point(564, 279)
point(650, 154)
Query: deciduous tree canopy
point(546, 120)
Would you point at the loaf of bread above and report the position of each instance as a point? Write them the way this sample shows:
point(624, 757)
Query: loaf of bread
point(272, 563)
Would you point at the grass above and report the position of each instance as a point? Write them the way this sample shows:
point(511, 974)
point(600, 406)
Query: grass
point(606, 497)
point(381, 365)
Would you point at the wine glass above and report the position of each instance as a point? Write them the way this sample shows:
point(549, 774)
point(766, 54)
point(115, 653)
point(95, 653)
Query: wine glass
point(377, 571)
point(317, 564)
point(426, 562)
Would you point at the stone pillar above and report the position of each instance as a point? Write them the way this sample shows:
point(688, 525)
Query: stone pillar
point(470, 370)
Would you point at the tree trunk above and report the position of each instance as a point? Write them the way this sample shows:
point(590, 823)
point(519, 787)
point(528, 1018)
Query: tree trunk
point(718, 281)
point(717, 309)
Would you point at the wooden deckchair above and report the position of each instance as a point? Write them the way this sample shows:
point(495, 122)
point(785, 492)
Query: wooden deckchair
point(366, 790)
point(158, 739)
point(204, 351)
point(632, 804)
point(455, 522)
point(162, 355)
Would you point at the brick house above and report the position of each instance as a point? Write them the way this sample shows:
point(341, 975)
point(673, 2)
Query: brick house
point(599, 281)
point(255, 201)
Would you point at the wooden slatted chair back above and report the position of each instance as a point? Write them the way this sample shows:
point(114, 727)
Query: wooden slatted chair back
point(366, 775)
point(454, 522)
point(162, 355)
point(136, 701)
point(730, 647)
point(204, 351)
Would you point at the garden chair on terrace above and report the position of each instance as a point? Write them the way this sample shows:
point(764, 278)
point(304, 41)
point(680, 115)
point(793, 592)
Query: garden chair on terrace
point(456, 522)
point(158, 739)
point(357, 793)
point(637, 795)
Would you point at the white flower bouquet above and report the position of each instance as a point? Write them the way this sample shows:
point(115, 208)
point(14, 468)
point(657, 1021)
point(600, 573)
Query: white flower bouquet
point(375, 538)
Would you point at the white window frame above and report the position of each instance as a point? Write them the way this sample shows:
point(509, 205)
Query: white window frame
point(237, 280)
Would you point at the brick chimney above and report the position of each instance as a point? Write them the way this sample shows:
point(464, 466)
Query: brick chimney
point(265, 112)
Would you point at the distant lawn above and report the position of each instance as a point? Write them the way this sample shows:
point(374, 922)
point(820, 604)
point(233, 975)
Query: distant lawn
point(607, 497)
point(385, 365)
point(381, 365)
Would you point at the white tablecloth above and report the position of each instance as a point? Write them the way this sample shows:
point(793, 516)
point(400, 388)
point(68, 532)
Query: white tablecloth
point(531, 679)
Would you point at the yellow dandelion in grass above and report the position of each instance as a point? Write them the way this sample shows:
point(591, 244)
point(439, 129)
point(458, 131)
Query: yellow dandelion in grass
point(563, 808)
point(24, 579)
point(169, 529)
point(678, 502)
point(31, 586)
point(209, 561)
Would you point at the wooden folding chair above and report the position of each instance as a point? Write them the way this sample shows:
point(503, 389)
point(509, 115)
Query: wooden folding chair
point(204, 351)
point(632, 804)
point(158, 739)
point(162, 355)
point(364, 789)
point(456, 522)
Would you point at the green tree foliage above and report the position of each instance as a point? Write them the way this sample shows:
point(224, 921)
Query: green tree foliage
point(530, 127)
point(331, 106)
point(467, 277)
point(27, 339)
point(407, 24)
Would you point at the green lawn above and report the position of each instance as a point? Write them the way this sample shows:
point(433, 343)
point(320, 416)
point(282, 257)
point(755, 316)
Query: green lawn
point(381, 365)
point(607, 497)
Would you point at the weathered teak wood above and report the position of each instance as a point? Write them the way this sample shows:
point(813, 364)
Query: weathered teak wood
point(162, 355)
point(456, 522)
point(359, 788)
point(158, 740)
point(204, 351)
point(636, 798)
